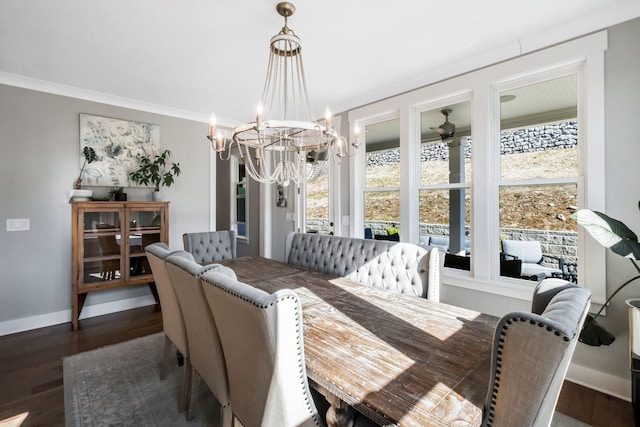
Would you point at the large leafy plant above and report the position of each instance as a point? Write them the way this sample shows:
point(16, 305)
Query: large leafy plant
point(89, 157)
point(155, 170)
point(615, 235)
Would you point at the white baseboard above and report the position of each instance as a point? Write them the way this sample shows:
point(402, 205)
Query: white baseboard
point(606, 383)
point(50, 319)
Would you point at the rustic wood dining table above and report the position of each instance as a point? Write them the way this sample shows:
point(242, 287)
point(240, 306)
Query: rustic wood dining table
point(398, 359)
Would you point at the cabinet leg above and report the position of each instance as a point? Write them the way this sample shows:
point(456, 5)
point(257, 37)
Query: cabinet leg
point(76, 309)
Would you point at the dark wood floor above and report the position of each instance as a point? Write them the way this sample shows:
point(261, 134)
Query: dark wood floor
point(31, 371)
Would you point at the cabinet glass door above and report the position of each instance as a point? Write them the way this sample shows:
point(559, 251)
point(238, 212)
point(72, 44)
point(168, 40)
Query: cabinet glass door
point(145, 228)
point(101, 246)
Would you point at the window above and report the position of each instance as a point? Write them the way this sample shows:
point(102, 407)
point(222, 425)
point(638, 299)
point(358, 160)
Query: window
point(527, 151)
point(539, 178)
point(240, 194)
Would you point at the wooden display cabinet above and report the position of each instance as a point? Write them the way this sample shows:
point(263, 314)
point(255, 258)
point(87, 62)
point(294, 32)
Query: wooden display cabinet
point(108, 240)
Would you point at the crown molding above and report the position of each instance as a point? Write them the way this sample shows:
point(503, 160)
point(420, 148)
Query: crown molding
point(94, 96)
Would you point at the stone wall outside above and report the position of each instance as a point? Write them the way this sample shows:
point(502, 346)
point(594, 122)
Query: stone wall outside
point(539, 138)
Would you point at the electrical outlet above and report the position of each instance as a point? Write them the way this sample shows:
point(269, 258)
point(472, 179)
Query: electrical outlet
point(18, 224)
point(345, 219)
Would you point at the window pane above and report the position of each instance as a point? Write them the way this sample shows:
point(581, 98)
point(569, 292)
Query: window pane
point(540, 214)
point(317, 198)
point(441, 224)
point(446, 145)
point(539, 130)
point(382, 212)
point(539, 207)
point(242, 173)
point(241, 191)
point(240, 210)
point(383, 154)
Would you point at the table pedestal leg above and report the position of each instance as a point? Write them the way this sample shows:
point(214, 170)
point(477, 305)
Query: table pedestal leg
point(339, 414)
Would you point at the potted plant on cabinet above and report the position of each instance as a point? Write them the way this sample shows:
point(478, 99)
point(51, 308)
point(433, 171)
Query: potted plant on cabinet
point(118, 194)
point(78, 193)
point(155, 171)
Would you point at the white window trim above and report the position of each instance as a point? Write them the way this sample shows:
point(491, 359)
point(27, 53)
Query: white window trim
point(587, 52)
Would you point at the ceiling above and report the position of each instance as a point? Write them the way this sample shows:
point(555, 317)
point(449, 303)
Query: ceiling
point(192, 58)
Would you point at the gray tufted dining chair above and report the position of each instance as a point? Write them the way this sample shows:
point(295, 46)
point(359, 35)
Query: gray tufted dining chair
point(210, 246)
point(263, 344)
point(531, 355)
point(207, 358)
point(175, 334)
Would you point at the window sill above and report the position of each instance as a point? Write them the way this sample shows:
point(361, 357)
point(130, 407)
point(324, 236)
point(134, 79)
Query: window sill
point(512, 288)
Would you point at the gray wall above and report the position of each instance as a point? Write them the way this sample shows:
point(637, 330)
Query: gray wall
point(40, 159)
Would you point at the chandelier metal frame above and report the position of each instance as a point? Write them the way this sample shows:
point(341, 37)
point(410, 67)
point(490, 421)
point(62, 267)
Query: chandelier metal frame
point(284, 143)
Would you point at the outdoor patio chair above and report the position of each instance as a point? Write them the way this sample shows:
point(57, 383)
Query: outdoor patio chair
point(530, 253)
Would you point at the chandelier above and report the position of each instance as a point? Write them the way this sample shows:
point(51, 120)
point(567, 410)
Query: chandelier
point(284, 143)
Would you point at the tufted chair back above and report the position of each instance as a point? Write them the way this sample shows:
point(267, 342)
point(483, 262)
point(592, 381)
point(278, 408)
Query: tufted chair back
point(531, 355)
point(263, 344)
point(400, 267)
point(210, 246)
point(172, 319)
point(205, 349)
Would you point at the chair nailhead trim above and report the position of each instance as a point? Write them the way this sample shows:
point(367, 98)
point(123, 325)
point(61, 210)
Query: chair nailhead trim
point(301, 372)
point(498, 371)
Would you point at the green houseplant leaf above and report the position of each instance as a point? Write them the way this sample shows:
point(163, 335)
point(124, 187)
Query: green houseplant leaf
point(153, 171)
point(615, 235)
point(610, 233)
point(89, 157)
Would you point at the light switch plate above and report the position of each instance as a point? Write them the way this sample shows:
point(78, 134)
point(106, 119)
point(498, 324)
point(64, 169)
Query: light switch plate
point(291, 216)
point(18, 224)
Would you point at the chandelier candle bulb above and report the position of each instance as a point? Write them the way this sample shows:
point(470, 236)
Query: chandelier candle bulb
point(212, 127)
point(220, 140)
point(327, 118)
point(259, 116)
point(340, 147)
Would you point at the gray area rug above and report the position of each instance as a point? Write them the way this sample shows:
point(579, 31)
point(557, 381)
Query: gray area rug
point(119, 385)
point(562, 420)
